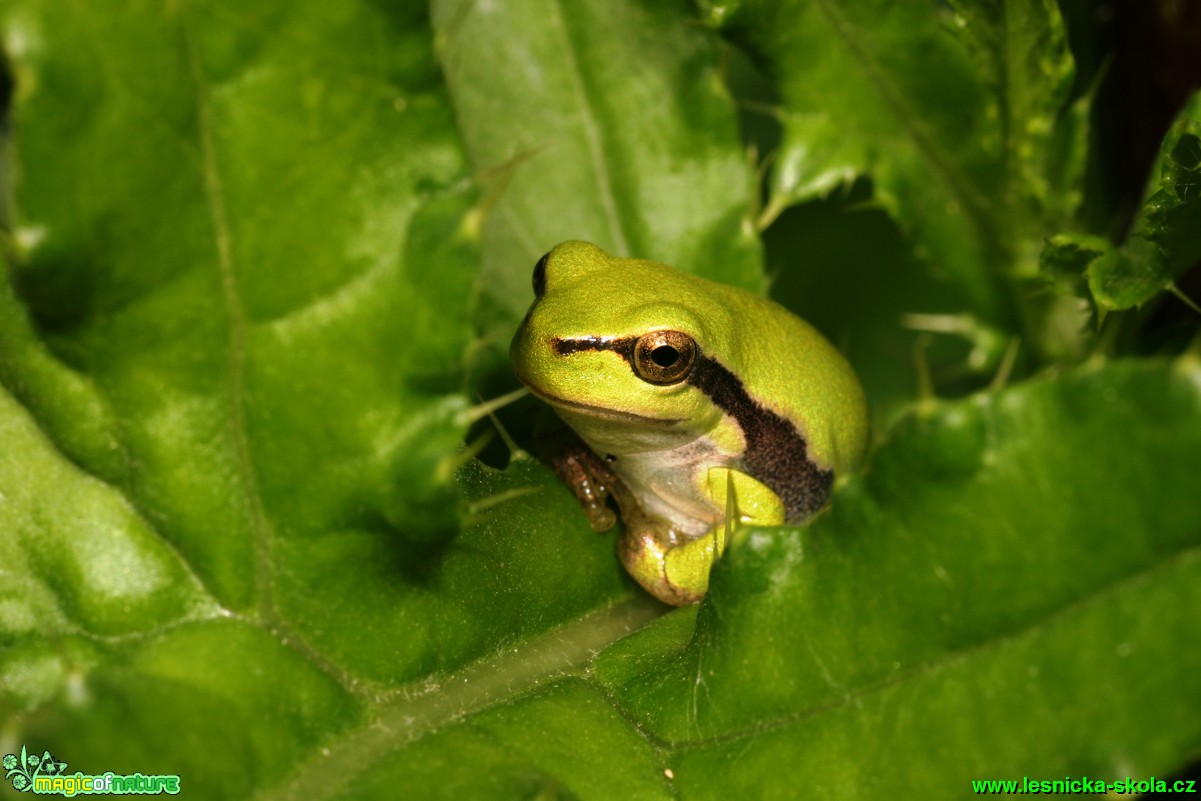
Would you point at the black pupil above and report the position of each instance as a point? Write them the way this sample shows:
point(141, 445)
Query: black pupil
point(665, 355)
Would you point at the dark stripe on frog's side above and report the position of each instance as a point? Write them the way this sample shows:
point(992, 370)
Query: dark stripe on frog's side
point(776, 453)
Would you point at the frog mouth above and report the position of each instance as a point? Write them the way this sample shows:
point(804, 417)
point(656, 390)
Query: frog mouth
point(603, 412)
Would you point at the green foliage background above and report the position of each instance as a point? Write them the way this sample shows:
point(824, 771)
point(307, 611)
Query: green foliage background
point(264, 259)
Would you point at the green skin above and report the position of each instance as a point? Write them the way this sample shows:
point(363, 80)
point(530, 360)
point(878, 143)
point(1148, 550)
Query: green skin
point(704, 406)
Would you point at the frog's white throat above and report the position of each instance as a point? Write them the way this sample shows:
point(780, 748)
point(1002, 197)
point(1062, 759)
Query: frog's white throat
point(662, 465)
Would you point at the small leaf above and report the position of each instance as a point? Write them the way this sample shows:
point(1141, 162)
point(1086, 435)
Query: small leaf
point(1166, 238)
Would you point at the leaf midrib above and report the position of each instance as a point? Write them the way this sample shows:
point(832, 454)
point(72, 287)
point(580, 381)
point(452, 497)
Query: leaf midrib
point(592, 132)
point(412, 712)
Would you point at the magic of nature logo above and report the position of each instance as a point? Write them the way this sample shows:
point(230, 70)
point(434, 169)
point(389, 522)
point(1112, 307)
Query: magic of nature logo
point(45, 775)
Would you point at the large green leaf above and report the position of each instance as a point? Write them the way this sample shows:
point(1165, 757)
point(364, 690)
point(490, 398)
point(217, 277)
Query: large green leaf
point(960, 611)
point(257, 255)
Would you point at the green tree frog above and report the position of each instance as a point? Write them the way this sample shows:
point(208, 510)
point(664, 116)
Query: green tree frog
point(703, 406)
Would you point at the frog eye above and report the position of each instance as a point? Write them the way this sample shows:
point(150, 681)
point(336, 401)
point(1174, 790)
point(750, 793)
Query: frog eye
point(664, 357)
point(540, 276)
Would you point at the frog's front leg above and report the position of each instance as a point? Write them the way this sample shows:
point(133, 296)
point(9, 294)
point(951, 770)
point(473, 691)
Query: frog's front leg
point(673, 566)
point(584, 473)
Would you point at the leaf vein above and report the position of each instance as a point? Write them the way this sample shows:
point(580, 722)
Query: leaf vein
point(592, 135)
point(950, 658)
point(956, 183)
point(215, 200)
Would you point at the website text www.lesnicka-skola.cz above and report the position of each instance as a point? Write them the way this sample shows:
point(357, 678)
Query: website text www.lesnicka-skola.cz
point(1082, 786)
